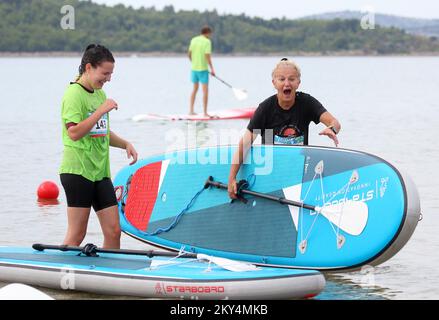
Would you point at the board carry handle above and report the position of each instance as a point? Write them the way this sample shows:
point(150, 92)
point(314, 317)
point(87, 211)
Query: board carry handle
point(90, 250)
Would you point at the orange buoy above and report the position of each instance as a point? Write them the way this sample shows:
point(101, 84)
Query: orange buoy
point(48, 190)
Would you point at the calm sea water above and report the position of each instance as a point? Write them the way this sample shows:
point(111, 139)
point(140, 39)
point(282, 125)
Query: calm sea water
point(388, 106)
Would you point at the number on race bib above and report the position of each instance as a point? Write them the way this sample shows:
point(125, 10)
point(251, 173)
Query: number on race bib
point(101, 127)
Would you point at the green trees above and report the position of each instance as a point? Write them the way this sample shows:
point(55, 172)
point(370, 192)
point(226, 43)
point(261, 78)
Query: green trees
point(34, 25)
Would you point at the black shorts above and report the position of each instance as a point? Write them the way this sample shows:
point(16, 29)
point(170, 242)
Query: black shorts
point(83, 193)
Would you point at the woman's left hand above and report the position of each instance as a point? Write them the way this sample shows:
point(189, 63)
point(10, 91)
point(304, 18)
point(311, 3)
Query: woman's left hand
point(328, 132)
point(131, 153)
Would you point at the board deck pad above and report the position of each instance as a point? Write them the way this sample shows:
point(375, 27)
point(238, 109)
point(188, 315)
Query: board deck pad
point(68, 259)
point(264, 231)
point(236, 227)
point(143, 194)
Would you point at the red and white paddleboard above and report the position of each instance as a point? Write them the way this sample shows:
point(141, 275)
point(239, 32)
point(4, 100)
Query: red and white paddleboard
point(241, 113)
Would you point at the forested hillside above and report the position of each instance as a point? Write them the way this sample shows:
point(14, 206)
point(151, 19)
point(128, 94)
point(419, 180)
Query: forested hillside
point(34, 26)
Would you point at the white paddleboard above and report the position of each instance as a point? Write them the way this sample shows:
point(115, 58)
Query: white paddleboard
point(241, 113)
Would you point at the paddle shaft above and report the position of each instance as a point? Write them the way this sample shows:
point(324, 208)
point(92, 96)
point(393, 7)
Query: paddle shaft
point(148, 253)
point(227, 84)
point(262, 195)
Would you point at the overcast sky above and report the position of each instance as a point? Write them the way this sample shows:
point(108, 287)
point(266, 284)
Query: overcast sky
point(293, 8)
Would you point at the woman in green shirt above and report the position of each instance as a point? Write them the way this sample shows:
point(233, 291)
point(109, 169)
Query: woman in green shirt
point(85, 167)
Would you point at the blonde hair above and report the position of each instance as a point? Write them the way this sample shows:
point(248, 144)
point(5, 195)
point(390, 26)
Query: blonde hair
point(286, 63)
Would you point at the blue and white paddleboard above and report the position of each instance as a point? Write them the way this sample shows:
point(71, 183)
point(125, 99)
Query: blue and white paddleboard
point(130, 272)
point(357, 208)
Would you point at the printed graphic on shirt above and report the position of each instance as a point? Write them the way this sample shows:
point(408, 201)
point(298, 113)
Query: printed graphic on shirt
point(101, 127)
point(289, 135)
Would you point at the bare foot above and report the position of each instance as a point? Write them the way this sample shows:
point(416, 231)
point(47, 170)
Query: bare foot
point(210, 116)
point(192, 113)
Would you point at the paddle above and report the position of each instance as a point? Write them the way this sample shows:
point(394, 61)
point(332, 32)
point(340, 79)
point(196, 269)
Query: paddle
point(92, 250)
point(355, 213)
point(240, 94)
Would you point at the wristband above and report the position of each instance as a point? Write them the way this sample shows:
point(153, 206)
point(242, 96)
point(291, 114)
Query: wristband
point(333, 129)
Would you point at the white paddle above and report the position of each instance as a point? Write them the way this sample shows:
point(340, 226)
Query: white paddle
point(350, 216)
point(240, 94)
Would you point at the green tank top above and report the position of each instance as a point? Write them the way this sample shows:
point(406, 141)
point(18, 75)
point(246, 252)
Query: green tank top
point(88, 156)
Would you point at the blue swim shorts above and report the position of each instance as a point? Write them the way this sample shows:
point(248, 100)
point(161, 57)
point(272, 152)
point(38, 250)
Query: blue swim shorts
point(200, 76)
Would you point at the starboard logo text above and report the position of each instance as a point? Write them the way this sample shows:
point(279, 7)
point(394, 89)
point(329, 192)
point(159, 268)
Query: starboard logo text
point(177, 289)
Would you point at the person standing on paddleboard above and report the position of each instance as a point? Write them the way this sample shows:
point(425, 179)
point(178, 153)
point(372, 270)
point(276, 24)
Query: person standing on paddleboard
point(200, 50)
point(85, 167)
point(284, 118)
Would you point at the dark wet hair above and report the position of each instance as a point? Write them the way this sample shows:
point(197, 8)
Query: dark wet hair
point(206, 30)
point(95, 54)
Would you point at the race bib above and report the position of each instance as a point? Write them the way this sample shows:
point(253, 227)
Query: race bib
point(100, 129)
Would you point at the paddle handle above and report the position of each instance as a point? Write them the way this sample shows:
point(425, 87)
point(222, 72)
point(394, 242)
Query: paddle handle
point(148, 253)
point(281, 200)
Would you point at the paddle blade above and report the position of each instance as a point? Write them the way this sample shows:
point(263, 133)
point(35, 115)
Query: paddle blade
point(240, 94)
point(350, 216)
point(231, 265)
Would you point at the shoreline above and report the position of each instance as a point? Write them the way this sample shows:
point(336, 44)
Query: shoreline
point(64, 54)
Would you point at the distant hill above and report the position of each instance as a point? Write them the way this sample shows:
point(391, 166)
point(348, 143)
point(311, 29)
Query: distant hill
point(425, 27)
point(35, 26)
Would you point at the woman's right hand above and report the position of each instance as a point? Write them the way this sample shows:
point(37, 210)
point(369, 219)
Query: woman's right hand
point(232, 188)
point(107, 106)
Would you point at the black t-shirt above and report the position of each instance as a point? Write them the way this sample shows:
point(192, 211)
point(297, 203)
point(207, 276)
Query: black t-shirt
point(289, 127)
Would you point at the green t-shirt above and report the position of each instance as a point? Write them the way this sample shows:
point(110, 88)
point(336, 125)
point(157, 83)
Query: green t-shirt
point(199, 47)
point(88, 156)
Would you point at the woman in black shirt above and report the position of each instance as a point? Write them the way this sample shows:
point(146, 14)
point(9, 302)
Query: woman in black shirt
point(284, 118)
